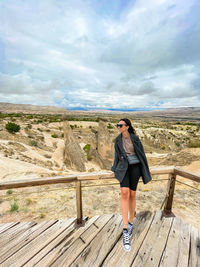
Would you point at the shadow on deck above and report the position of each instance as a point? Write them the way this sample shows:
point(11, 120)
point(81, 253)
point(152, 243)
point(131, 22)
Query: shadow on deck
point(156, 241)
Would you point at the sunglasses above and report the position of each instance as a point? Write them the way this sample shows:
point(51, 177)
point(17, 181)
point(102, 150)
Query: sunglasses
point(121, 125)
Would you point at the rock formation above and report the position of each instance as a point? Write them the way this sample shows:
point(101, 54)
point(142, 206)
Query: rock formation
point(73, 155)
point(57, 155)
point(104, 144)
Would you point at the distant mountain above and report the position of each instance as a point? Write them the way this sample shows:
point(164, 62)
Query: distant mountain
point(114, 109)
point(186, 113)
point(29, 108)
point(180, 113)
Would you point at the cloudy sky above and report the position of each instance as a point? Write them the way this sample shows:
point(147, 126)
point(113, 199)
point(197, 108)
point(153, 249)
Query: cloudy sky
point(100, 54)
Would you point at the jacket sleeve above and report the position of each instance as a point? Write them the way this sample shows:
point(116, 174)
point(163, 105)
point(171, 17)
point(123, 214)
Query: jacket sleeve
point(116, 158)
point(142, 149)
point(141, 146)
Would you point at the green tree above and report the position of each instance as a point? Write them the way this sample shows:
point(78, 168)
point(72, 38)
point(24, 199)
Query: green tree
point(86, 148)
point(12, 127)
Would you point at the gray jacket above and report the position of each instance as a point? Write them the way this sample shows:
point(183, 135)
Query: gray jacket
point(120, 164)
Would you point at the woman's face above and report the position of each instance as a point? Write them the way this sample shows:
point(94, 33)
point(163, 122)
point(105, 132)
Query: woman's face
point(124, 128)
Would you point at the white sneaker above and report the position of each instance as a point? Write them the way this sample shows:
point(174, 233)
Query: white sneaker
point(126, 240)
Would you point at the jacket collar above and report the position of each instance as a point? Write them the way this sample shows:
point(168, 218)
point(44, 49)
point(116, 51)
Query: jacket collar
point(133, 137)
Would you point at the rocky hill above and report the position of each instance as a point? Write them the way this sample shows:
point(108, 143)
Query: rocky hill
point(29, 108)
point(172, 114)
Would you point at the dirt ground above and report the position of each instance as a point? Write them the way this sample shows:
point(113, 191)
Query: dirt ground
point(48, 202)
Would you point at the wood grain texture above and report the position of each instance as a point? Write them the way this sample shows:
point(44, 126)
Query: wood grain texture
point(156, 241)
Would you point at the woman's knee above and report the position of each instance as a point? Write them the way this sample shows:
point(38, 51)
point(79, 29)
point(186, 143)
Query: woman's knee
point(132, 193)
point(125, 192)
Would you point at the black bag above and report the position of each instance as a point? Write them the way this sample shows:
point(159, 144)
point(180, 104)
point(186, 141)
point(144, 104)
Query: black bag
point(133, 159)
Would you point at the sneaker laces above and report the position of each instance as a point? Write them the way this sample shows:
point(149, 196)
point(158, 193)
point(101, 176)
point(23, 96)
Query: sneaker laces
point(126, 237)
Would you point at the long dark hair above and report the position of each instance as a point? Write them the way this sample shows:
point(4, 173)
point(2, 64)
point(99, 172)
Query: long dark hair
point(128, 123)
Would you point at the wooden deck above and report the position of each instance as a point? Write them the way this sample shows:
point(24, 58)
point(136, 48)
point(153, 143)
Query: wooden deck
point(156, 241)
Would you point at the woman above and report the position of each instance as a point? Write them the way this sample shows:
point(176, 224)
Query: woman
point(127, 143)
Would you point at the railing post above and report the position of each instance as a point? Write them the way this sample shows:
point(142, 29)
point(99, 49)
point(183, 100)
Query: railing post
point(170, 193)
point(79, 220)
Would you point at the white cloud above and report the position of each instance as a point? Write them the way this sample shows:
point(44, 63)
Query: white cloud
point(146, 55)
point(23, 84)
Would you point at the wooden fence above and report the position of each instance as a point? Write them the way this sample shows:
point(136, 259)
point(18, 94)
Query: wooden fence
point(80, 178)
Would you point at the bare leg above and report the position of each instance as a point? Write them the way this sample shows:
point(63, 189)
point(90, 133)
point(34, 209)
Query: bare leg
point(125, 194)
point(132, 204)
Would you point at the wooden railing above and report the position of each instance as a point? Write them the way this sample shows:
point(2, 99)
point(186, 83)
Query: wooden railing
point(80, 178)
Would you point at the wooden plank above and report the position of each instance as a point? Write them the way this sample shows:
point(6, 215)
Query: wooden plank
point(96, 251)
point(118, 256)
point(79, 208)
point(170, 193)
point(37, 181)
point(187, 174)
point(67, 255)
point(162, 170)
point(14, 232)
point(32, 248)
point(64, 240)
point(98, 175)
point(151, 249)
point(194, 257)
point(16, 244)
point(176, 252)
point(2, 225)
point(7, 226)
point(16, 228)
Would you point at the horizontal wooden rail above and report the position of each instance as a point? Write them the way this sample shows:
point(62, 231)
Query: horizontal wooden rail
point(74, 178)
point(186, 174)
point(81, 177)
